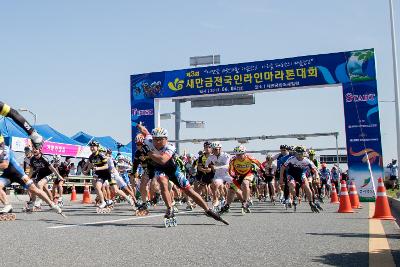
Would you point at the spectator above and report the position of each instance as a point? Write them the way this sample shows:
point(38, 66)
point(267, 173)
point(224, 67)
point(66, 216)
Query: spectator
point(393, 168)
point(72, 169)
point(79, 168)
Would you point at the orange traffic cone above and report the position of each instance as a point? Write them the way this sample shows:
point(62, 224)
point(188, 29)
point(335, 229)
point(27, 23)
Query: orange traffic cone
point(86, 195)
point(382, 209)
point(334, 196)
point(345, 205)
point(354, 200)
point(73, 194)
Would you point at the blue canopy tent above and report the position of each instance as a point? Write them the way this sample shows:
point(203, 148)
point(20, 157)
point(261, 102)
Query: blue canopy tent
point(105, 141)
point(9, 128)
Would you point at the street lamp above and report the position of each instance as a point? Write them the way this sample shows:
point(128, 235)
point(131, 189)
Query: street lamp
point(27, 110)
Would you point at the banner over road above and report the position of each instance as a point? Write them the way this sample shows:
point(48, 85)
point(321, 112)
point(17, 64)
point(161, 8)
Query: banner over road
point(355, 70)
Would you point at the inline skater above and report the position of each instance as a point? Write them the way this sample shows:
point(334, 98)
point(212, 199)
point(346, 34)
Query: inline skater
point(240, 167)
point(117, 184)
point(40, 172)
point(325, 177)
point(163, 156)
point(99, 164)
point(269, 176)
point(282, 186)
point(205, 175)
point(141, 159)
point(11, 171)
point(218, 163)
point(314, 182)
point(297, 168)
point(58, 183)
point(7, 111)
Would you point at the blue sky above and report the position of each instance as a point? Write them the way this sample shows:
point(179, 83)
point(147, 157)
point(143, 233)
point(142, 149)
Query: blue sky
point(70, 61)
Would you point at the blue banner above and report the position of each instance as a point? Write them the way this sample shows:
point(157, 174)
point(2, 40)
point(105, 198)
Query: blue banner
point(363, 136)
point(325, 69)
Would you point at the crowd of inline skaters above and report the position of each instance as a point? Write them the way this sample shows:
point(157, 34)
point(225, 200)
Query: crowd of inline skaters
point(157, 171)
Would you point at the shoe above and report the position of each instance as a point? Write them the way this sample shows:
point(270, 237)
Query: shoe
point(215, 216)
point(7, 209)
point(295, 201)
point(102, 205)
point(57, 209)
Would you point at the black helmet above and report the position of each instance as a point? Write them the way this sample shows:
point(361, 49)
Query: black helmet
point(94, 143)
point(283, 147)
point(207, 143)
point(299, 149)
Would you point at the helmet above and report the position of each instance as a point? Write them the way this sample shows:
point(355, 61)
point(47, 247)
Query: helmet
point(159, 132)
point(215, 145)
point(241, 149)
point(300, 149)
point(94, 143)
point(120, 157)
point(56, 159)
point(200, 153)
point(283, 147)
point(102, 150)
point(268, 156)
point(207, 143)
point(27, 149)
point(109, 151)
point(311, 152)
point(139, 139)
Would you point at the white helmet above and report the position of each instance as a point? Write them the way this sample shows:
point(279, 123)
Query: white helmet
point(159, 132)
point(215, 145)
point(120, 157)
point(241, 149)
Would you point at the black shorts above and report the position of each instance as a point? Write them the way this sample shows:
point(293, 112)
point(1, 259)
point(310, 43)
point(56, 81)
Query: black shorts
point(15, 175)
point(268, 178)
point(207, 178)
point(393, 178)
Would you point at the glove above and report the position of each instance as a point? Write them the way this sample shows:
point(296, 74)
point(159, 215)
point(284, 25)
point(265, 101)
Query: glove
point(145, 148)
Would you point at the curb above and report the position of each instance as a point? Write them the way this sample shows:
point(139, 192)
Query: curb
point(394, 204)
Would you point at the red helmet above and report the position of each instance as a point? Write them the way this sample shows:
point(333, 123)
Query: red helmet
point(139, 139)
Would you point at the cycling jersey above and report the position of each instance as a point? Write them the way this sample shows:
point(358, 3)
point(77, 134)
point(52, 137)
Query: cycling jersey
point(242, 167)
point(221, 163)
point(40, 167)
point(297, 169)
point(335, 175)
point(204, 177)
point(99, 160)
point(269, 170)
point(325, 174)
point(171, 169)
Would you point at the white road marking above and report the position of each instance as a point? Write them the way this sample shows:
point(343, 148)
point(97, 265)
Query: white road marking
point(105, 222)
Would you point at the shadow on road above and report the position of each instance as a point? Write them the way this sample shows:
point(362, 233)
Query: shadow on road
point(350, 259)
point(361, 235)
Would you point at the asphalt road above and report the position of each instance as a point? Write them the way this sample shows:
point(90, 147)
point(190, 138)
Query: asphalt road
point(269, 236)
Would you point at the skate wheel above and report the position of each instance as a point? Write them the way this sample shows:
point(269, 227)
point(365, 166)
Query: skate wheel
point(174, 222)
point(166, 223)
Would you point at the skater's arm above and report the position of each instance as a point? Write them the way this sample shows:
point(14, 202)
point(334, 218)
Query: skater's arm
point(102, 168)
point(160, 158)
point(143, 130)
point(55, 171)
